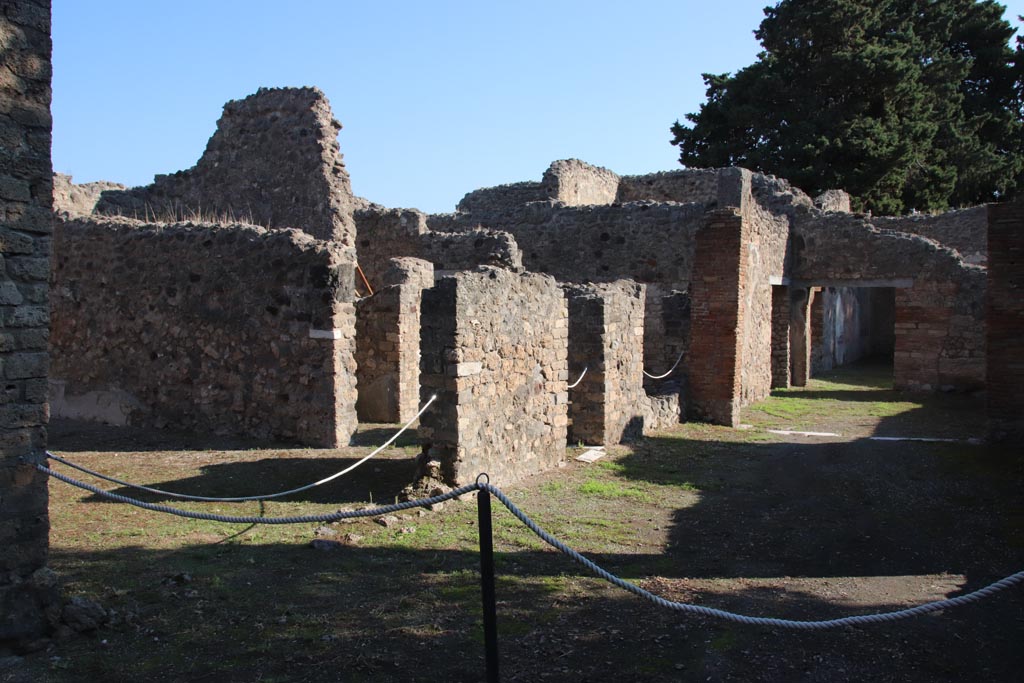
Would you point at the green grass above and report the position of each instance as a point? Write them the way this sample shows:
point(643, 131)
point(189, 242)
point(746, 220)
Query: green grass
point(611, 489)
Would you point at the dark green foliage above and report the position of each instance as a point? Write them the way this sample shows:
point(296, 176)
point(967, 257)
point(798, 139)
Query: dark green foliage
point(906, 104)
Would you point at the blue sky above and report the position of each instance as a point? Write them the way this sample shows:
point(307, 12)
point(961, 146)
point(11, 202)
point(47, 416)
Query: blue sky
point(436, 98)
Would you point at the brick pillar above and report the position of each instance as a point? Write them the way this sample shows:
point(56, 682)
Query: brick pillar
point(800, 336)
point(780, 337)
point(27, 590)
point(1005, 315)
point(719, 272)
point(923, 316)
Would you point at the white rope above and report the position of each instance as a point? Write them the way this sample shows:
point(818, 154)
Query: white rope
point(670, 369)
point(574, 384)
point(241, 499)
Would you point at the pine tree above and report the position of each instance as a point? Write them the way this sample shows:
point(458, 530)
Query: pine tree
point(906, 104)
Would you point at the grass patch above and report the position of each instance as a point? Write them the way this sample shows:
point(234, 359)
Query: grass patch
point(611, 489)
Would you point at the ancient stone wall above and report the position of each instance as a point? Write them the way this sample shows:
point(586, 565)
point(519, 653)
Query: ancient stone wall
point(502, 197)
point(226, 329)
point(494, 349)
point(1005, 306)
point(833, 200)
point(963, 230)
point(609, 405)
point(576, 183)
point(650, 243)
point(75, 201)
point(939, 309)
point(388, 343)
point(687, 186)
point(273, 161)
point(29, 596)
point(388, 233)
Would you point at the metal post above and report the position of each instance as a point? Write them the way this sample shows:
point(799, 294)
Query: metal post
point(483, 499)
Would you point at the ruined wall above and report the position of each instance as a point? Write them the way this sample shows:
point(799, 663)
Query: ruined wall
point(963, 230)
point(273, 161)
point(78, 200)
point(29, 596)
point(940, 319)
point(502, 197)
point(609, 405)
point(494, 349)
point(686, 186)
point(1005, 306)
point(388, 343)
point(226, 329)
point(388, 233)
point(576, 183)
point(644, 242)
point(833, 200)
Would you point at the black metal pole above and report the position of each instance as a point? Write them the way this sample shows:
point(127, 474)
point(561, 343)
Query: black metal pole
point(483, 499)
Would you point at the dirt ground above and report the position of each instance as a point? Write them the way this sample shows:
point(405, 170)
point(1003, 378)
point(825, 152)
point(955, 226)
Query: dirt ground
point(792, 526)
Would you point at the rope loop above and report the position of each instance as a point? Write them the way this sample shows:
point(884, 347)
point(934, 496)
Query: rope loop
point(580, 378)
point(486, 480)
point(243, 499)
point(674, 365)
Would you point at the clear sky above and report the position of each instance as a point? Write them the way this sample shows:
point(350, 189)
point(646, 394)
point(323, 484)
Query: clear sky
point(437, 97)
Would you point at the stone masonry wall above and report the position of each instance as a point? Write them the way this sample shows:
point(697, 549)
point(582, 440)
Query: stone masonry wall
point(388, 343)
point(29, 595)
point(274, 161)
point(388, 233)
point(685, 186)
point(963, 230)
point(649, 243)
point(609, 405)
point(1005, 306)
point(494, 349)
point(78, 200)
point(940, 318)
point(226, 329)
point(576, 183)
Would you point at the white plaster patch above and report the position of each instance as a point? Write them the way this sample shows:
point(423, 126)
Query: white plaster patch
point(324, 334)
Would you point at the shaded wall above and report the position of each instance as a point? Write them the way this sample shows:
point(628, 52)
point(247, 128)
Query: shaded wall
point(1005, 306)
point(29, 595)
point(388, 343)
point(232, 329)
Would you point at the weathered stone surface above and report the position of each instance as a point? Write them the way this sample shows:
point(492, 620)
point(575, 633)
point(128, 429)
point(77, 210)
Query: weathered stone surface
point(385, 234)
point(274, 161)
point(388, 343)
point(26, 196)
point(609, 404)
point(507, 414)
point(75, 201)
point(576, 183)
point(217, 328)
point(1005, 310)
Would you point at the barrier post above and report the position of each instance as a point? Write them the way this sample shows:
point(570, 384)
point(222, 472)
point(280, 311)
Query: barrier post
point(483, 499)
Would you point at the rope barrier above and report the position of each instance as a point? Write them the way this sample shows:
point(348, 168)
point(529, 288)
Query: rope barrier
point(242, 499)
point(674, 365)
point(232, 519)
point(580, 379)
point(857, 620)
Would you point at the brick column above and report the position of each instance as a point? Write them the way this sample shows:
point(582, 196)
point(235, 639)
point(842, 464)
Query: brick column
point(780, 337)
point(719, 272)
point(28, 593)
point(800, 336)
point(1005, 315)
